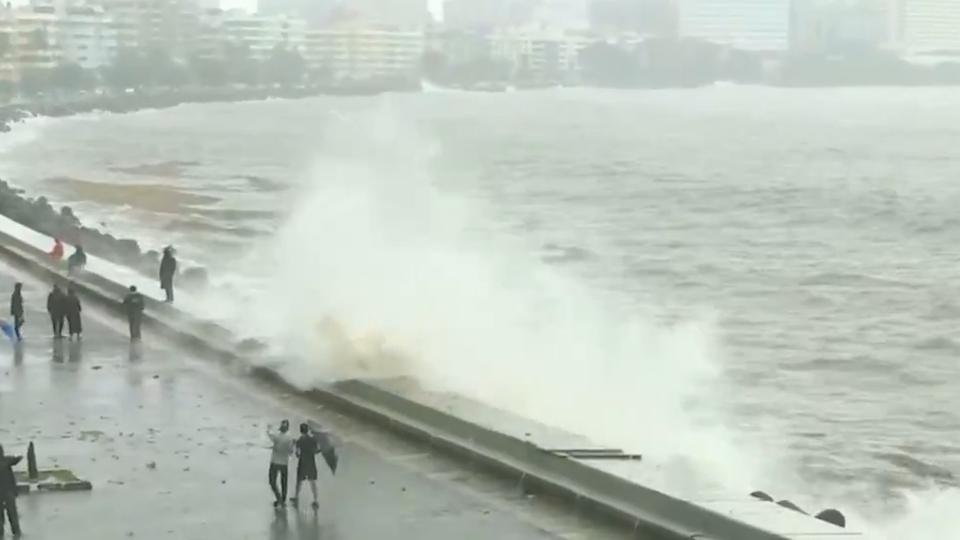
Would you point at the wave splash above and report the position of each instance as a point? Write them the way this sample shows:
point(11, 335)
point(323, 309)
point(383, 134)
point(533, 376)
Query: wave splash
point(380, 271)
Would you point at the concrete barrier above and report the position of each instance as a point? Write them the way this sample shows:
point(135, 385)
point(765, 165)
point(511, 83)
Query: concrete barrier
point(649, 513)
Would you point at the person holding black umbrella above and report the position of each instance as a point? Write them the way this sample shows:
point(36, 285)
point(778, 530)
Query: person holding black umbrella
point(307, 449)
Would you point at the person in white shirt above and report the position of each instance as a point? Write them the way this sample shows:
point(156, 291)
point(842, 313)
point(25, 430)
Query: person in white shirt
point(280, 456)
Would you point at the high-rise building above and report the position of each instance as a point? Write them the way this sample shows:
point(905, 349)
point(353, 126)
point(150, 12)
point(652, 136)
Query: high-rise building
point(261, 34)
point(926, 26)
point(358, 51)
point(170, 25)
point(752, 25)
point(44, 35)
point(829, 26)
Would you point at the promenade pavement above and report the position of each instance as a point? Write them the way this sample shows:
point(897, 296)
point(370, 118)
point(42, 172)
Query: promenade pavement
point(175, 447)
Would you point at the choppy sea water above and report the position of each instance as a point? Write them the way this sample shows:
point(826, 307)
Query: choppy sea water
point(762, 281)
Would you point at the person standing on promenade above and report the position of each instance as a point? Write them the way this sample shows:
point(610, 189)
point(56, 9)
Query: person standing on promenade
point(56, 301)
point(168, 269)
point(16, 309)
point(56, 254)
point(72, 309)
point(77, 261)
point(134, 305)
point(8, 493)
point(307, 450)
point(279, 461)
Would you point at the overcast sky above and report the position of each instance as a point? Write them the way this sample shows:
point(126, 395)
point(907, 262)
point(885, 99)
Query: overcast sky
point(435, 5)
point(245, 4)
point(251, 5)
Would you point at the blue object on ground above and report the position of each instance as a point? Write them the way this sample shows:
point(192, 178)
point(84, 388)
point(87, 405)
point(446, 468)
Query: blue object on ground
point(8, 330)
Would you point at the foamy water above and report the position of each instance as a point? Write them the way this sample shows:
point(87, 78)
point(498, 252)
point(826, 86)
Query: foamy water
point(754, 285)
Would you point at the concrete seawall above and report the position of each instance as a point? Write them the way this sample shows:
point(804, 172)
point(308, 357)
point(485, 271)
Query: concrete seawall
point(648, 512)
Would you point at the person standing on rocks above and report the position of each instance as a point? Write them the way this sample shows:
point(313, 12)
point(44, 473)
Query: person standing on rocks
point(8, 493)
point(16, 309)
point(72, 309)
point(56, 307)
point(134, 305)
point(279, 461)
point(168, 269)
point(77, 261)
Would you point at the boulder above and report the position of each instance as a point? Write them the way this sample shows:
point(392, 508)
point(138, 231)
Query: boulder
point(833, 516)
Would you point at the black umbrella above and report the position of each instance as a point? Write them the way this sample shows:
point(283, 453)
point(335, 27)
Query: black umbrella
point(327, 450)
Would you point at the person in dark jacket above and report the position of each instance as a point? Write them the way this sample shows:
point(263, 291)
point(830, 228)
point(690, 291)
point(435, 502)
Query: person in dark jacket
point(307, 450)
point(8, 493)
point(134, 305)
point(77, 261)
point(168, 269)
point(72, 310)
point(56, 308)
point(16, 309)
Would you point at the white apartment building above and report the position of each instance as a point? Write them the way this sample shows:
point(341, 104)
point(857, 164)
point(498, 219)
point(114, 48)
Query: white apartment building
point(33, 39)
point(171, 25)
point(353, 51)
point(827, 26)
point(75, 32)
point(926, 27)
point(750, 25)
point(546, 53)
point(263, 34)
point(87, 36)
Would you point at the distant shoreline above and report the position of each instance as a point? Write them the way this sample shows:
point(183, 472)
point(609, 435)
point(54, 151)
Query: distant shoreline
point(127, 102)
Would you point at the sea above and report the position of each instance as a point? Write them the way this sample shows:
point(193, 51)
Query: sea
point(761, 286)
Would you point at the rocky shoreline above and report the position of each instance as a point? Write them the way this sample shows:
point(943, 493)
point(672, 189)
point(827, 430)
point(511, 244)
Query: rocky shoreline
point(38, 214)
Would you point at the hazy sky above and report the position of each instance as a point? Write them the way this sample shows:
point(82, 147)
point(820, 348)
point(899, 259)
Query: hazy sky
point(435, 5)
point(245, 4)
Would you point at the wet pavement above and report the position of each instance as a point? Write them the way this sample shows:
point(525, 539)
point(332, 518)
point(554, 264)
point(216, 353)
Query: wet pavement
point(175, 447)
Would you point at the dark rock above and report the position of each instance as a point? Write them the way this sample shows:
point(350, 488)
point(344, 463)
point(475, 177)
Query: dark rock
point(762, 496)
point(67, 215)
point(791, 506)
point(833, 516)
point(251, 345)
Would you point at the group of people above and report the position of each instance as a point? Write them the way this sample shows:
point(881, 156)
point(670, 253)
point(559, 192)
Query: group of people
point(78, 261)
point(75, 262)
point(61, 307)
point(65, 308)
point(305, 447)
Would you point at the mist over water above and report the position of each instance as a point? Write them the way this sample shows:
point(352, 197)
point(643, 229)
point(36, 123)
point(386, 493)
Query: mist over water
point(754, 287)
point(407, 272)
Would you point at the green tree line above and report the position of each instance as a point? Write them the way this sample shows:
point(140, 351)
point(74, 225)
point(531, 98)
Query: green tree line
point(156, 68)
